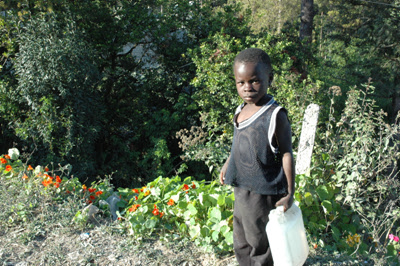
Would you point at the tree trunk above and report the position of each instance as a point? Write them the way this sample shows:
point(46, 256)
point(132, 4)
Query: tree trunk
point(306, 20)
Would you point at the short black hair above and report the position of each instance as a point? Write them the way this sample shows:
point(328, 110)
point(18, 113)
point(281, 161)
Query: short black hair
point(253, 55)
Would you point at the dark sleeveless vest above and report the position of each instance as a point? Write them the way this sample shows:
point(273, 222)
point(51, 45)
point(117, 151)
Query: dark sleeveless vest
point(255, 164)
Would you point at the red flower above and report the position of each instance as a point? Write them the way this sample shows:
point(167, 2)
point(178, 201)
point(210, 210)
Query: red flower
point(3, 161)
point(7, 156)
point(136, 197)
point(67, 192)
point(185, 187)
point(46, 169)
point(25, 177)
point(58, 179)
point(91, 190)
point(92, 197)
point(193, 185)
point(98, 193)
point(156, 212)
point(171, 202)
point(135, 190)
point(57, 185)
point(161, 214)
point(8, 168)
point(89, 202)
point(30, 168)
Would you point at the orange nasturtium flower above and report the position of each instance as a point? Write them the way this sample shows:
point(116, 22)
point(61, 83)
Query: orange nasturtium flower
point(193, 185)
point(135, 190)
point(92, 197)
point(25, 177)
point(46, 169)
point(84, 187)
point(91, 190)
point(185, 187)
point(47, 182)
point(98, 193)
point(161, 214)
point(8, 168)
point(7, 156)
point(147, 193)
point(171, 202)
point(30, 168)
point(57, 185)
point(3, 161)
point(58, 179)
point(134, 207)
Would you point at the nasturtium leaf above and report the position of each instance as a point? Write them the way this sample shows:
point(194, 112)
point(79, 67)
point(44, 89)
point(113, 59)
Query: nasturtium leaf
point(215, 236)
point(192, 209)
point(150, 223)
point(215, 213)
point(221, 199)
point(205, 231)
point(229, 237)
point(194, 231)
point(224, 229)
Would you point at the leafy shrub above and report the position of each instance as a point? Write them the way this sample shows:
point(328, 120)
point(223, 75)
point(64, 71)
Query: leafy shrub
point(56, 82)
point(353, 186)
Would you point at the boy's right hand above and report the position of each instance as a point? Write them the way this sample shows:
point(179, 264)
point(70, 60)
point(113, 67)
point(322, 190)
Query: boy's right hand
point(222, 175)
point(223, 171)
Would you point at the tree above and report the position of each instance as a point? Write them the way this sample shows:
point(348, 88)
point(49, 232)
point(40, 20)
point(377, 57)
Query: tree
point(306, 20)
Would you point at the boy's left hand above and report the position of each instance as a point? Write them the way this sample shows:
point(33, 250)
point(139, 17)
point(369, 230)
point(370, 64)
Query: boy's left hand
point(286, 202)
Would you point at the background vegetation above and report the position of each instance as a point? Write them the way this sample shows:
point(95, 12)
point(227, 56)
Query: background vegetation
point(141, 89)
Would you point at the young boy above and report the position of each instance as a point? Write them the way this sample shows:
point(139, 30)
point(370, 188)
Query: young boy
point(260, 166)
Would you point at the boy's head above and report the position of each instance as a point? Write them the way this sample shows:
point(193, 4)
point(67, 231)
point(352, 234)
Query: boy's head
point(253, 74)
point(254, 55)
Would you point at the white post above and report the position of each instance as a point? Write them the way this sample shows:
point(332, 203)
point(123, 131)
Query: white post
point(307, 136)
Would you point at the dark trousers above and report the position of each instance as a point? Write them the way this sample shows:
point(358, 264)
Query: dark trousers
point(250, 217)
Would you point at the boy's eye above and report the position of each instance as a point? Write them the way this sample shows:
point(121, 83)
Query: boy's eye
point(256, 81)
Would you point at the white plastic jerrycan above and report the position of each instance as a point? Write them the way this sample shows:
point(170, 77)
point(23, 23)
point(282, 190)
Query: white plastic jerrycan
point(287, 236)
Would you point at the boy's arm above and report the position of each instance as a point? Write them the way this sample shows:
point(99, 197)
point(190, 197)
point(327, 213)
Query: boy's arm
point(283, 134)
point(223, 171)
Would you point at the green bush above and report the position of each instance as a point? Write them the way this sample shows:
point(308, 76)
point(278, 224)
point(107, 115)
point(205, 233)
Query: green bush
point(353, 185)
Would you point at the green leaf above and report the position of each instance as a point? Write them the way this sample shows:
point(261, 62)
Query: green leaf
point(205, 231)
point(308, 199)
point(221, 199)
point(229, 237)
point(215, 236)
point(322, 192)
point(215, 213)
point(150, 223)
point(335, 233)
point(194, 231)
point(192, 209)
point(327, 206)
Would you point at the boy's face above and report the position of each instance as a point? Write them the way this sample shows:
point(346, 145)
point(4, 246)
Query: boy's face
point(252, 81)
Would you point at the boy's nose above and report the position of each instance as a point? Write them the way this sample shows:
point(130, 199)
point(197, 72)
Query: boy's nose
point(248, 86)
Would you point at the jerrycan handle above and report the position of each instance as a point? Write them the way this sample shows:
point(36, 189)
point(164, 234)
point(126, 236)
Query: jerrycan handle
point(280, 214)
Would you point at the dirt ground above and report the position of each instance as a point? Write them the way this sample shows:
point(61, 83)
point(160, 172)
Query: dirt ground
point(98, 246)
